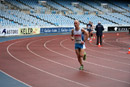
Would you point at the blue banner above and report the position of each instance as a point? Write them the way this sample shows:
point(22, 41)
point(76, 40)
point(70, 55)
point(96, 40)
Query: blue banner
point(56, 30)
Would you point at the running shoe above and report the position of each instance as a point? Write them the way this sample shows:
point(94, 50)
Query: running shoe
point(81, 67)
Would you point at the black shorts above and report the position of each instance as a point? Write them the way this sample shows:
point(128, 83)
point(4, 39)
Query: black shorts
point(89, 30)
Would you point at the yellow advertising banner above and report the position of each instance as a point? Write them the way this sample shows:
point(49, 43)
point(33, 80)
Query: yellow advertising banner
point(29, 31)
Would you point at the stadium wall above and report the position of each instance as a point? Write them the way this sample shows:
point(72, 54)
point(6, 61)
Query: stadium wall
point(119, 28)
point(32, 30)
point(41, 30)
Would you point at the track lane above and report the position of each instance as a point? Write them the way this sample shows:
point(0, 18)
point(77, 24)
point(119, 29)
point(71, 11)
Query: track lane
point(102, 60)
point(31, 61)
point(38, 66)
point(54, 57)
point(90, 65)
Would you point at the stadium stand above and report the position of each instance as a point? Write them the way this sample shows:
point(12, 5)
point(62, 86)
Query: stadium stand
point(93, 18)
point(63, 12)
point(57, 19)
point(121, 4)
point(57, 6)
point(14, 2)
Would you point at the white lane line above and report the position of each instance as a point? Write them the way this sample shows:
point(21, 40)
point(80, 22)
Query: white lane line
point(110, 44)
point(117, 40)
point(41, 69)
point(114, 46)
point(16, 79)
point(104, 41)
point(108, 48)
point(95, 56)
point(91, 62)
point(105, 47)
point(109, 54)
point(84, 71)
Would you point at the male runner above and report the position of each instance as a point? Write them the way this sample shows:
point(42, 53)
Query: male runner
point(77, 35)
point(90, 29)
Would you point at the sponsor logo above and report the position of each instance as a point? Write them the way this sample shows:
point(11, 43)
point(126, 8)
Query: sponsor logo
point(120, 28)
point(4, 31)
point(26, 31)
point(115, 28)
point(55, 30)
point(8, 31)
point(47, 30)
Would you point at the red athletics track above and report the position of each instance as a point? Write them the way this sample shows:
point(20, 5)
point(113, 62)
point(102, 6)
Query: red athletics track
point(50, 61)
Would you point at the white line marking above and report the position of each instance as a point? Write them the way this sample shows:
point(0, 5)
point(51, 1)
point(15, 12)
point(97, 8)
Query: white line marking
point(84, 71)
point(110, 44)
point(96, 56)
point(117, 40)
point(91, 62)
point(15, 79)
point(114, 46)
point(41, 69)
point(109, 54)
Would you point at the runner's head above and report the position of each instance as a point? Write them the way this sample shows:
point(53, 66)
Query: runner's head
point(89, 22)
point(76, 23)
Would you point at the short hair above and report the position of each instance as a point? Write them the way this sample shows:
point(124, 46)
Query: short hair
point(99, 22)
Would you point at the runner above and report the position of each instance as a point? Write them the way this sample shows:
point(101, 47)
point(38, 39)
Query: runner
point(90, 29)
point(77, 35)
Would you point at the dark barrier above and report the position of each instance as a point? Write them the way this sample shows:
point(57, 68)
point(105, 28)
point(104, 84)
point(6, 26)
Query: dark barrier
point(56, 30)
point(119, 28)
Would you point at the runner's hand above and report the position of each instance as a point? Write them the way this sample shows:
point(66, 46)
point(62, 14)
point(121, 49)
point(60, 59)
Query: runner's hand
point(72, 38)
point(82, 42)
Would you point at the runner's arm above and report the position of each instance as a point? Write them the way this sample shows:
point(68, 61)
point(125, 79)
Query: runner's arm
point(72, 34)
point(86, 34)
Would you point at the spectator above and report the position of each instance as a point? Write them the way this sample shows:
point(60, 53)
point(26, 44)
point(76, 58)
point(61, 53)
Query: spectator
point(99, 32)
